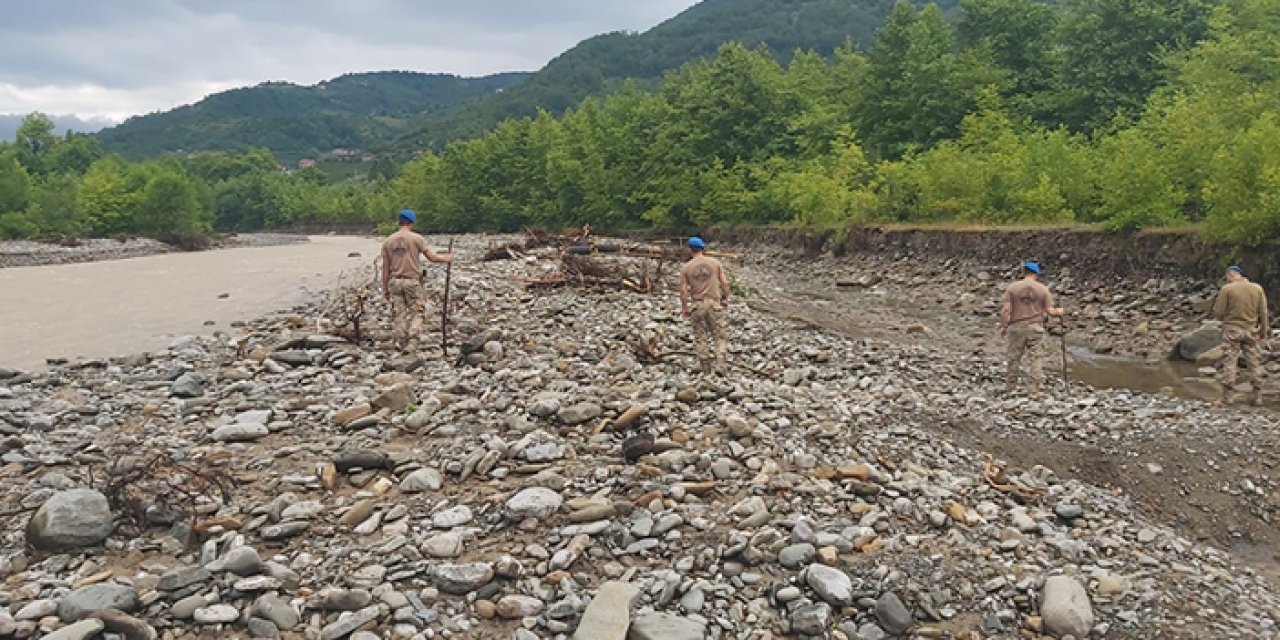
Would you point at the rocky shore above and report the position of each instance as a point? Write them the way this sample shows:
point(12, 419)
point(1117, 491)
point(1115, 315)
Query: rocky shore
point(27, 253)
point(861, 474)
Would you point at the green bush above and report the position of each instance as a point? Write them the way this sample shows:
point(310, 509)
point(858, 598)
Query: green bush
point(16, 226)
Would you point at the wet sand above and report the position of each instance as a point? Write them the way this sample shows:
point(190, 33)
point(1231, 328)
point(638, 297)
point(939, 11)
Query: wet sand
point(100, 309)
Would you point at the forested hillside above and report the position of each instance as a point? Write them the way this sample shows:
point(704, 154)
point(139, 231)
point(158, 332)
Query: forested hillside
point(356, 111)
point(404, 112)
point(604, 62)
point(1125, 114)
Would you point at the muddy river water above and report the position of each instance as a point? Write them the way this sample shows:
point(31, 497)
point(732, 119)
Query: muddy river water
point(100, 309)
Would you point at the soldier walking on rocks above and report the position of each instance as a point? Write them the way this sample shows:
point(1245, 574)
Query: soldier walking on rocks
point(1242, 308)
point(703, 282)
point(402, 280)
point(1027, 304)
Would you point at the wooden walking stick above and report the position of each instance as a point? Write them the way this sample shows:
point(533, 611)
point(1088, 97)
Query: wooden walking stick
point(1063, 323)
point(444, 309)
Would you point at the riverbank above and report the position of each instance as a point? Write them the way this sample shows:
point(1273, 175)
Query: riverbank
point(840, 483)
point(27, 253)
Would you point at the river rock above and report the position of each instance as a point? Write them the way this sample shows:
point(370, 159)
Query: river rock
point(175, 579)
point(461, 579)
point(278, 611)
point(395, 399)
point(78, 604)
point(811, 619)
point(216, 614)
point(609, 615)
point(421, 480)
point(335, 599)
point(664, 626)
point(444, 545)
point(240, 433)
point(349, 622)
point(121, 623)
point(188, 385)
point(242, 561)
point(580, 413)
point(893, 614)
point(1065, 607)
point(831, 584)
point(82, 630)
point(1195, 343)
point(37, 609)
point(533, 502)
point(71, 519)
point(514, 607)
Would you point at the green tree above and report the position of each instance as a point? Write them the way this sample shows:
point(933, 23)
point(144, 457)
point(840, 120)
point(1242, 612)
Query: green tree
point(918, 89)
point(34, 141)
point(1112, 52)
point(1018, 35)
point(382, 168)
point(53, 207)
point(15, 185)
point(73, 154)
point(109, 196)
point(170, 208)
point(1242, 192)
point(1136, 191)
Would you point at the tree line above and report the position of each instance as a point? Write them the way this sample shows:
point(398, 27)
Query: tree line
point(1127, 114)
point(52, 187)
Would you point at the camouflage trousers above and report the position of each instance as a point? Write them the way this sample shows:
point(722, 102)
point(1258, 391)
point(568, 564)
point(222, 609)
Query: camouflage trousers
point(1237, 343)
point(710, 334)
point(1026, 339)
point(408, 310)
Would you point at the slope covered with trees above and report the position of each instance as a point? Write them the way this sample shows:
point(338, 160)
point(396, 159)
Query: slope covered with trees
point(355, 111)
point(602, 63)
point(974, 120)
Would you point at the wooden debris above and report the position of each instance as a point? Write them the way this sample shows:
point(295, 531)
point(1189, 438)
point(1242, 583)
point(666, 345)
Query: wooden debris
point(995, 475)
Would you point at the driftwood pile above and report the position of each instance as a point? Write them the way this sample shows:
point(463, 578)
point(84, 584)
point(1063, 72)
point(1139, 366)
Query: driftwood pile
point(586, 262)
point(640, 276)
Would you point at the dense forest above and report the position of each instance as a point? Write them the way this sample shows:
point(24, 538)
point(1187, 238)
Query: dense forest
point(354, 111)
point(599, 65)
point(401, 112)
point(1127, 114)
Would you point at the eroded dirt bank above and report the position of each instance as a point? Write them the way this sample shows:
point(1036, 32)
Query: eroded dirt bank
point(839, 484)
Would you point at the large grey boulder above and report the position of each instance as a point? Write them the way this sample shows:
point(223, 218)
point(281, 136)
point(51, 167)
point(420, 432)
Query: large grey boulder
point(1066, 608)
point(82, 602)
point(1194, 344)
point(71, 519)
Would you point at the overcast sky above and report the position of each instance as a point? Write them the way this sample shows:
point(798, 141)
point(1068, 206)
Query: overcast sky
point(116, 58)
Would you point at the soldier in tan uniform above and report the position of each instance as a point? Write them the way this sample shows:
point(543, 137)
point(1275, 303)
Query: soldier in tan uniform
point(1242, 308)
point(704, 283)
point(402, 280)
point(1026, 305)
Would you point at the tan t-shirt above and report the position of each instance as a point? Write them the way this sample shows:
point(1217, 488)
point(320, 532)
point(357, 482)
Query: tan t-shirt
point(704, 279)
point(1242, 305)
point(1028, 301)
point(402, 253)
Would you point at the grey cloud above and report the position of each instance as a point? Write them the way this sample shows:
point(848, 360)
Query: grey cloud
point(137, 47)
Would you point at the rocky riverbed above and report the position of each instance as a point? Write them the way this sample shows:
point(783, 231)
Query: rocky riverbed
point(860, 474)
point(26, 253)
